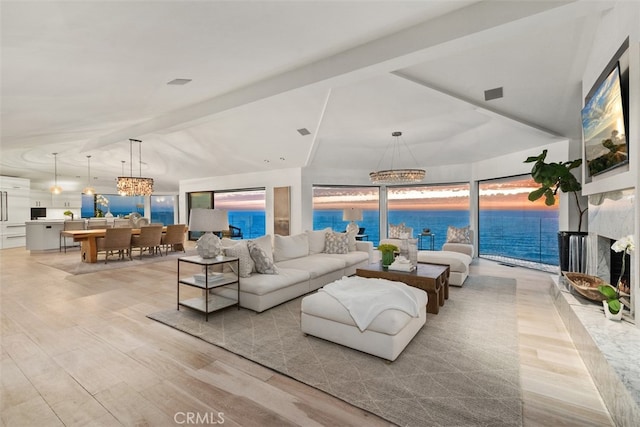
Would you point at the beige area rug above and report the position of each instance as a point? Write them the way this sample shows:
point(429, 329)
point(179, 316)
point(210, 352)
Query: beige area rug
point(461, 369)
point(70, 262)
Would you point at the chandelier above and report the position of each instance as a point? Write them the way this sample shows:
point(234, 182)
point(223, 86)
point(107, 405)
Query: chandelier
point(131, 185)
point(396, 176)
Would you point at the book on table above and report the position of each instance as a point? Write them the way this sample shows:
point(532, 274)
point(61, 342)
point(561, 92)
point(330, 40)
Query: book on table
point(213, 277)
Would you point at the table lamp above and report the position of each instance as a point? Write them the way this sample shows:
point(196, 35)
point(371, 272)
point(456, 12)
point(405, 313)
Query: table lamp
point(208, 220)
point(353, 215)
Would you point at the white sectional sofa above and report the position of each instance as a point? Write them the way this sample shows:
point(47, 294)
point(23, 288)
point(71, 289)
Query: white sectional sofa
point(303, 265)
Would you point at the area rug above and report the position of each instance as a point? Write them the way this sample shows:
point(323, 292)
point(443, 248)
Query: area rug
point(461, 369)
point(70, 262)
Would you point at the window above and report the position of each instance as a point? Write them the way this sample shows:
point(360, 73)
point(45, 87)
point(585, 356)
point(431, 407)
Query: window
point(510, 226)
point(118, 205)
point(329, 202)
point(435, 207)
point(246, 209)
point(162, 209)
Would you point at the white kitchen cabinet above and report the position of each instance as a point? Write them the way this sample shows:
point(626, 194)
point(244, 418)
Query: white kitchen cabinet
point(14, 211)
point(41, 199)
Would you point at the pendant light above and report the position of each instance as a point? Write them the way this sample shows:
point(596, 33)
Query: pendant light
point(397, 175)
point(56, 189)
point(89, 190)
point(135, 186)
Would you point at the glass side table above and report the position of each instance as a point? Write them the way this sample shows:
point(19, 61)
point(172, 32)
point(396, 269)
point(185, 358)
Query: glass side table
point(424, 236)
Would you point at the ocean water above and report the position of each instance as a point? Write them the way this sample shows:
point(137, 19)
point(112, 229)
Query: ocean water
point(523, 234)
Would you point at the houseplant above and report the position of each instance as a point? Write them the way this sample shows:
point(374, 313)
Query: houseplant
point(554, 177)
point(612, 305)
point(387, 251)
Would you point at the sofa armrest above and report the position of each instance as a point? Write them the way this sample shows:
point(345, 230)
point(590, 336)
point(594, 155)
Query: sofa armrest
point(365, 246)
point(463, 248)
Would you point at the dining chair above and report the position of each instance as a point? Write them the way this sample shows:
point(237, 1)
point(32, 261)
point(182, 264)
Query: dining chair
point(174, 238)
point(70, 224)
point(150, 238)
point(115, 240)
point(121, 222)
point(96, 223)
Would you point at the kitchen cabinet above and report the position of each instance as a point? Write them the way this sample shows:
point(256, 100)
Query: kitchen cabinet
point(65, 200)
point(14, 211)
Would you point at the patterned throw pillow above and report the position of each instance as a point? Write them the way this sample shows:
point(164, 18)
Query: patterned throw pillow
point(336, 243)
point(396, 230)
point(241, 251)
point(264, 264)
point(458, 235)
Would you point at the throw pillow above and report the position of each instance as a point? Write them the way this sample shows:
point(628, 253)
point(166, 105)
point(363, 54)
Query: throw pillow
point(458, 235)
point(264, 264)
point(265, 243)
point(396, 231)
point(241, 251)
point(290, 247)
point(351, 240)
point(316, 240)
point(336, 243)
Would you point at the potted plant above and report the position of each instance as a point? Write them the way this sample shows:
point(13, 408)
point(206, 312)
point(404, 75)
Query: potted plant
point(387, 251)
point(554, 177)
point(68, 213)
point(612, 304)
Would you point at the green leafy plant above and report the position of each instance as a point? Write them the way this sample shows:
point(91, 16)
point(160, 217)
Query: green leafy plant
point(612, 296)
point(68, 213)
point(387, 247)
point(553, 177)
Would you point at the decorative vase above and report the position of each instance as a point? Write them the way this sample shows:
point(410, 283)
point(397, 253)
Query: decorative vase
point(608, 314)
point(108, 214)
point(387, 259)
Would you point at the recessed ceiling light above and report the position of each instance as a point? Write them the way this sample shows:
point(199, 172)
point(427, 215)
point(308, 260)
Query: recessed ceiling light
point(304, 131)
point(179, 82)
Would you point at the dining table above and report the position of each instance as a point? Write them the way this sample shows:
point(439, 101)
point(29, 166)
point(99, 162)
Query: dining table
point(88, 241)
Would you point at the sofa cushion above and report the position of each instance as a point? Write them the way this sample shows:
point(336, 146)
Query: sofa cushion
point(316, 240)
point(457, 261)
point(317, 265)
point(289, 247)
point(264, 264)
point(240, 250)
point(352, 258)
point(265, 242)
point(400, 231)
point(262, 284)
point(336, 243)
point(458, 235)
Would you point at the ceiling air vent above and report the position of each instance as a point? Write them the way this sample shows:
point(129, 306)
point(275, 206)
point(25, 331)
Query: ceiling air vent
point(304, 131)
point(493, 94)
point(179, 82)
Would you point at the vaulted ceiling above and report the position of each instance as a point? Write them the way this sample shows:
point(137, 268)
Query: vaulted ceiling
point(81, 78)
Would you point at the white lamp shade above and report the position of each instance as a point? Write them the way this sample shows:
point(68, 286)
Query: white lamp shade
point(352, 214)
point(208, 220)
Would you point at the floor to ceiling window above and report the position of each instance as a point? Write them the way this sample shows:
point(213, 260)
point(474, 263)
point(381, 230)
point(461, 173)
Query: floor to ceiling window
point(435, 207)
point(162, 209)
point(512, 227)
point(246, 209)
point(330, 201)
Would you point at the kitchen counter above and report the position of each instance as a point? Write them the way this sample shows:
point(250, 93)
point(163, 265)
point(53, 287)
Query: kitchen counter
point(44, 234)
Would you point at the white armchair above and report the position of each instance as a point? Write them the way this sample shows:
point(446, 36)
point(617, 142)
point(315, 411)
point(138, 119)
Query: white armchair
point(457, 246)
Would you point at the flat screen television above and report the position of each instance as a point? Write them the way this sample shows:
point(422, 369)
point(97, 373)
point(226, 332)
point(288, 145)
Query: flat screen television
point(603, 126)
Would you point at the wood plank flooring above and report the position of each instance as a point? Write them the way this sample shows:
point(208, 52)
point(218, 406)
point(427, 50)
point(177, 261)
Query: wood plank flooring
point(78, 350)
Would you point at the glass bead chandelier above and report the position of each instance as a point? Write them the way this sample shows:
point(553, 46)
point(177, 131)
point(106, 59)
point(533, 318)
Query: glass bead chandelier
point(396, 176)
point(131, 185)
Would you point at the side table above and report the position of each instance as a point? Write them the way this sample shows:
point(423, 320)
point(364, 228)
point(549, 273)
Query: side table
point(422, 236)
point(207, 280)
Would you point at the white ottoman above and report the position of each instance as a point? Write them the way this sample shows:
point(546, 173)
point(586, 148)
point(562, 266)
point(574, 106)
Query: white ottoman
point(388, 334)
point(457, 262)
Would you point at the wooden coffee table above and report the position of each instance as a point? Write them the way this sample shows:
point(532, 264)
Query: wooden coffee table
point(432, 278)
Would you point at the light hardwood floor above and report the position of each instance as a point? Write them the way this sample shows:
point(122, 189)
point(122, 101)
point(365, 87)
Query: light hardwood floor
point(78, 350)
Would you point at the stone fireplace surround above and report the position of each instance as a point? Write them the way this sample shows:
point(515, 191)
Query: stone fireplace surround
point(609, 349)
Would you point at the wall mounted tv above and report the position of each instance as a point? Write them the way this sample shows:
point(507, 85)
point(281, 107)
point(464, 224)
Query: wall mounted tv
point(606, 144)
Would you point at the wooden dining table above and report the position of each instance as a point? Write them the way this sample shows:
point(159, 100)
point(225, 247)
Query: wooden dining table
point(88, 241)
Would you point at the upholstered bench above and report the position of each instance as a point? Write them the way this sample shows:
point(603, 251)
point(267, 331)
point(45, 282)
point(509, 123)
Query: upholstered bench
point(386, 336)
point(458, 263)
